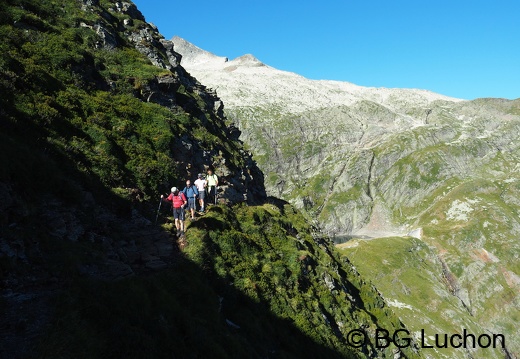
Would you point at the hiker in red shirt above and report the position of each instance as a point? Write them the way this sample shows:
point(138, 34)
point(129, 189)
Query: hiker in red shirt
point(178, 200)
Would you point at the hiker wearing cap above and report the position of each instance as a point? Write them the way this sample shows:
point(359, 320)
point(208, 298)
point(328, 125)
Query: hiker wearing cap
point(201, 185)
point(191, 193)
point(178, 200)
point(212, 185)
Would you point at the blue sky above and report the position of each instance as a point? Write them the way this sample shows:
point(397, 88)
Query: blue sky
point(460, 48)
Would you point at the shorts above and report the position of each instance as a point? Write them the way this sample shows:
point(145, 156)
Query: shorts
point(191, 203)
point(202, 194)
point(178, 213)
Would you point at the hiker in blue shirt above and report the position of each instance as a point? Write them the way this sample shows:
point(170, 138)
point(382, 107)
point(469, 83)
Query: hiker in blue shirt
point(191, 194)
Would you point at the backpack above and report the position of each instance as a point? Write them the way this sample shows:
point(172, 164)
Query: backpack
point(189, 192)
point(178, 200)
point(213, 179)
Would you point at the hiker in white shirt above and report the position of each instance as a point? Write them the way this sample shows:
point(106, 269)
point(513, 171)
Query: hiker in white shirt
point(201, 185)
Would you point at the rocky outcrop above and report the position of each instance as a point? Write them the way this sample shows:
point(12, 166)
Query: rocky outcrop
point(179, 90)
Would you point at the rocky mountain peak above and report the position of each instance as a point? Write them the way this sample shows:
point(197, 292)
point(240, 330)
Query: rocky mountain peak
point(195, 55)
point(246, 81)
point(247, 59)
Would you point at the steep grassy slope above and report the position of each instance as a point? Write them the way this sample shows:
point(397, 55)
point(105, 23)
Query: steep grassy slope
point(78, 91)
point(97, 119)
point(268, 254)
point(253, 283)
point(417, 284)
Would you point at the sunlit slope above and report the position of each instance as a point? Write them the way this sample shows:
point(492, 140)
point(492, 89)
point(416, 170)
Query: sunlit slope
point(462, 197)
point(416, 283)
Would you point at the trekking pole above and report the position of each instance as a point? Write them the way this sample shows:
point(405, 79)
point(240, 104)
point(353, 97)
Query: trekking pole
point(158, 210)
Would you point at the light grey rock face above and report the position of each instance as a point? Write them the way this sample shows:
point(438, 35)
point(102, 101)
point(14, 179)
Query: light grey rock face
point(383, 162)
point(146, 41)
point(334, 148)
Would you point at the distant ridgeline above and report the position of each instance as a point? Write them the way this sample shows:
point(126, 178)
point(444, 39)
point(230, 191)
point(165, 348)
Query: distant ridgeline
point(97, 119)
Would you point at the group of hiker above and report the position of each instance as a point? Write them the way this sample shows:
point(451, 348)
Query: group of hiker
point(204, 189)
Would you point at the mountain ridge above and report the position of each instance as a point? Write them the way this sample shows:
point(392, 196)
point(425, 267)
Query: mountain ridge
point(210, 68)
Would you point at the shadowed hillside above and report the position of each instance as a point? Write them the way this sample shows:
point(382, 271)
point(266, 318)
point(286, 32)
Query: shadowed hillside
point(97, 119)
